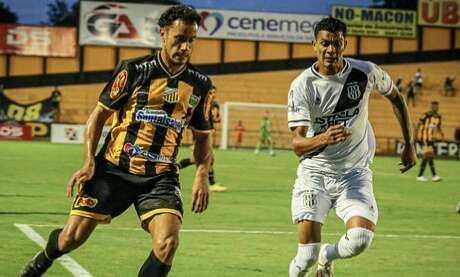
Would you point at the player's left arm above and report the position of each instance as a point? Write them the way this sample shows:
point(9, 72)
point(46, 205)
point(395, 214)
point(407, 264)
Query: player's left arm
point(408, 156)
point(202, 153)
point(384, 85)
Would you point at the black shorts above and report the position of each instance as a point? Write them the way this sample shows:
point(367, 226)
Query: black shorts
point(111, 191)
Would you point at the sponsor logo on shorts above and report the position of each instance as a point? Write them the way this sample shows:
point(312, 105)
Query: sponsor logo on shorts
point(160, 118)
point(85, 202)
point(134, 150)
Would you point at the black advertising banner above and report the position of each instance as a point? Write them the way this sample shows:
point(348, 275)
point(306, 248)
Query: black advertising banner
point(38, 115)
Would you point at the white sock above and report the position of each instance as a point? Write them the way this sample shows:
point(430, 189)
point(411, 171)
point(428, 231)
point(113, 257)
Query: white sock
point(353, 243)
point(307, 254)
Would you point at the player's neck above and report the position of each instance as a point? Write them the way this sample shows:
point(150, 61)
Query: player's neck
point(172, 68)
point(324, 70)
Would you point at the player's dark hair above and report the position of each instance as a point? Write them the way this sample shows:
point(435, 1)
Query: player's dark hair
point(435, 103)
point(332, 25)
point(182, 12)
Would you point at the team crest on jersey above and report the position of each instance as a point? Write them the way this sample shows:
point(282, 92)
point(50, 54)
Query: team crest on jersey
point(193, 101)
point(171, 95)
point(85, 202)
point(119, 84)
point(353, 91)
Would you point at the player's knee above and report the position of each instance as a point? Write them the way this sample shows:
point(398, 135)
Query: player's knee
point(165, 247)
point(359, 240)
point(307, 255)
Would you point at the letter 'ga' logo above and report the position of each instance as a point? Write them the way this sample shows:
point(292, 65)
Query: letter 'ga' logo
point(171, 95)
point(119, 84)
point(85, 202)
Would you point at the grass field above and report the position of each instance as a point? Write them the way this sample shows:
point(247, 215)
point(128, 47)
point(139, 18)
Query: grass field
point(245, 232)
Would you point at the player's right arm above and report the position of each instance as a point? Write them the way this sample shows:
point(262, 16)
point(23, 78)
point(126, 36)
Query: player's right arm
point(93, 131)
point(111, 99)
point(303, 145)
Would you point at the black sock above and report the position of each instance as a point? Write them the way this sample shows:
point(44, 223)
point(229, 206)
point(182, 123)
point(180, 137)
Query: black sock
point(422, 167)
point(153, 267)
point(52, 251)
point(184, 163)
point(211, 179)
point(431, 163)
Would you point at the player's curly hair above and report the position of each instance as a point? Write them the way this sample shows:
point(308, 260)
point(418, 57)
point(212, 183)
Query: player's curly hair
point(182, 12)
point(330, 24)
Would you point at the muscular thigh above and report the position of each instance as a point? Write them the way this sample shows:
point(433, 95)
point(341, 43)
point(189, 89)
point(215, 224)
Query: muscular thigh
point(357, 197)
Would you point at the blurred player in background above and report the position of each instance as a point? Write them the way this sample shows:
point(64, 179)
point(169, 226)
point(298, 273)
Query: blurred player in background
point(239, 131)
point(427, 127)
point(328, 117)
point(215, 116)
point(265, 135)
point(151, 99)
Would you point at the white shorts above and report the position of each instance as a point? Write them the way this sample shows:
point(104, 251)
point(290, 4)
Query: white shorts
point(351, 194)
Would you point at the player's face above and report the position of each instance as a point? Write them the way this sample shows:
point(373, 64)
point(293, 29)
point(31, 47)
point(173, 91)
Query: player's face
point(434, 107)
point(178, 40)
point(329, 49)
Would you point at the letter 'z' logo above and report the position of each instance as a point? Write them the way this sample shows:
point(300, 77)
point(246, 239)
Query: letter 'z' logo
point(219, 19)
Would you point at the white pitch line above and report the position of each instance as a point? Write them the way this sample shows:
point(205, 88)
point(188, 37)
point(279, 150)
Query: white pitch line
point(266, 232)
point(66, 261)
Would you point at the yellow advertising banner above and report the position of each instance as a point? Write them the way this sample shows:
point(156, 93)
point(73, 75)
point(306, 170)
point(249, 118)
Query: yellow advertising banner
point(441, 13)
point(377, 22)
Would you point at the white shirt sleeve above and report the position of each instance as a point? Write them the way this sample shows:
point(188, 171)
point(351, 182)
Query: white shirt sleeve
point(382, 80)
point(298, 109)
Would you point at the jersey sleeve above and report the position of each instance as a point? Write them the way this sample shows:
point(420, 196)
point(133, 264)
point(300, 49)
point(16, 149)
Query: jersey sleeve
point(381, 80)
point(201, 120)
point(117, 91)
point(298, 108)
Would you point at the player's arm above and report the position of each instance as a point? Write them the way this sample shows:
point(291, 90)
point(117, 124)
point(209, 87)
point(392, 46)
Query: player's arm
point(93, 131)
point(202, 153)
point(408, 156)
point(303, 145)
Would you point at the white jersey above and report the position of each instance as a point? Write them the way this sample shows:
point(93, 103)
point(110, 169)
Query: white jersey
point(320, 101)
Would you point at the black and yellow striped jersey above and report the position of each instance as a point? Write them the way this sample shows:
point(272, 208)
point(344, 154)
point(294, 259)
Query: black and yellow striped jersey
point(428, 124)
point(152, 107)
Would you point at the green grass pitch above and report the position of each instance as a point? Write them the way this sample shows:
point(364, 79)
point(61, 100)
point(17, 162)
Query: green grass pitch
point(418, 233)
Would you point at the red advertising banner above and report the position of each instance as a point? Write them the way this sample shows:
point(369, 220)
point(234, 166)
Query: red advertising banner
point(16, 132)
point(38, 40)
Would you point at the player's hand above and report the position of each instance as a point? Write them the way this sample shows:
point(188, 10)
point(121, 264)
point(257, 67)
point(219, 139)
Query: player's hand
point(336, 134)
point(408, 157)
point(200, 194)
point(80, 177)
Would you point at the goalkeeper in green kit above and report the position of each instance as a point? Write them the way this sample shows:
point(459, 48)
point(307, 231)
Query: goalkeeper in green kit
point(265, 136)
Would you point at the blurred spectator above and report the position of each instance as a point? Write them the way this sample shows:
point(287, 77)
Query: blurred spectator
point(419, 79)
point(239, 130)
point(56, 98)
point(449, 89)
point(411, 90)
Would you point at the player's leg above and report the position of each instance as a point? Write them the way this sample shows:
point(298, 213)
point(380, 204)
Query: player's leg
point(310, 206)
point(270, 145)
point(60, 241)
point(213, 185)
point(159, 207)
point(357, 207)
point(435, 177)
point(427, 155)
point(164, 230)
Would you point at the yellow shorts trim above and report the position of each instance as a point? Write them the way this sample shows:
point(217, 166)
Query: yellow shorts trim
point(160, 211)
point(105, 107)
point(102, 218)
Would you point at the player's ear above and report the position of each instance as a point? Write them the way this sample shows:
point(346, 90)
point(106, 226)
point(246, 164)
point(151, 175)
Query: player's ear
point(314, 44)
point(345, 43)
point(163, 33)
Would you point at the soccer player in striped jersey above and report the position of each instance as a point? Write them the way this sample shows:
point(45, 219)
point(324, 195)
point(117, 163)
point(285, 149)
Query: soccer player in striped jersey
point(427, 127)
point(328, 117)
point(151, 100)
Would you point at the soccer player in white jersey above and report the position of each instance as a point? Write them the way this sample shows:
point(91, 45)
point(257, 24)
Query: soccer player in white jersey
point(328, 117)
